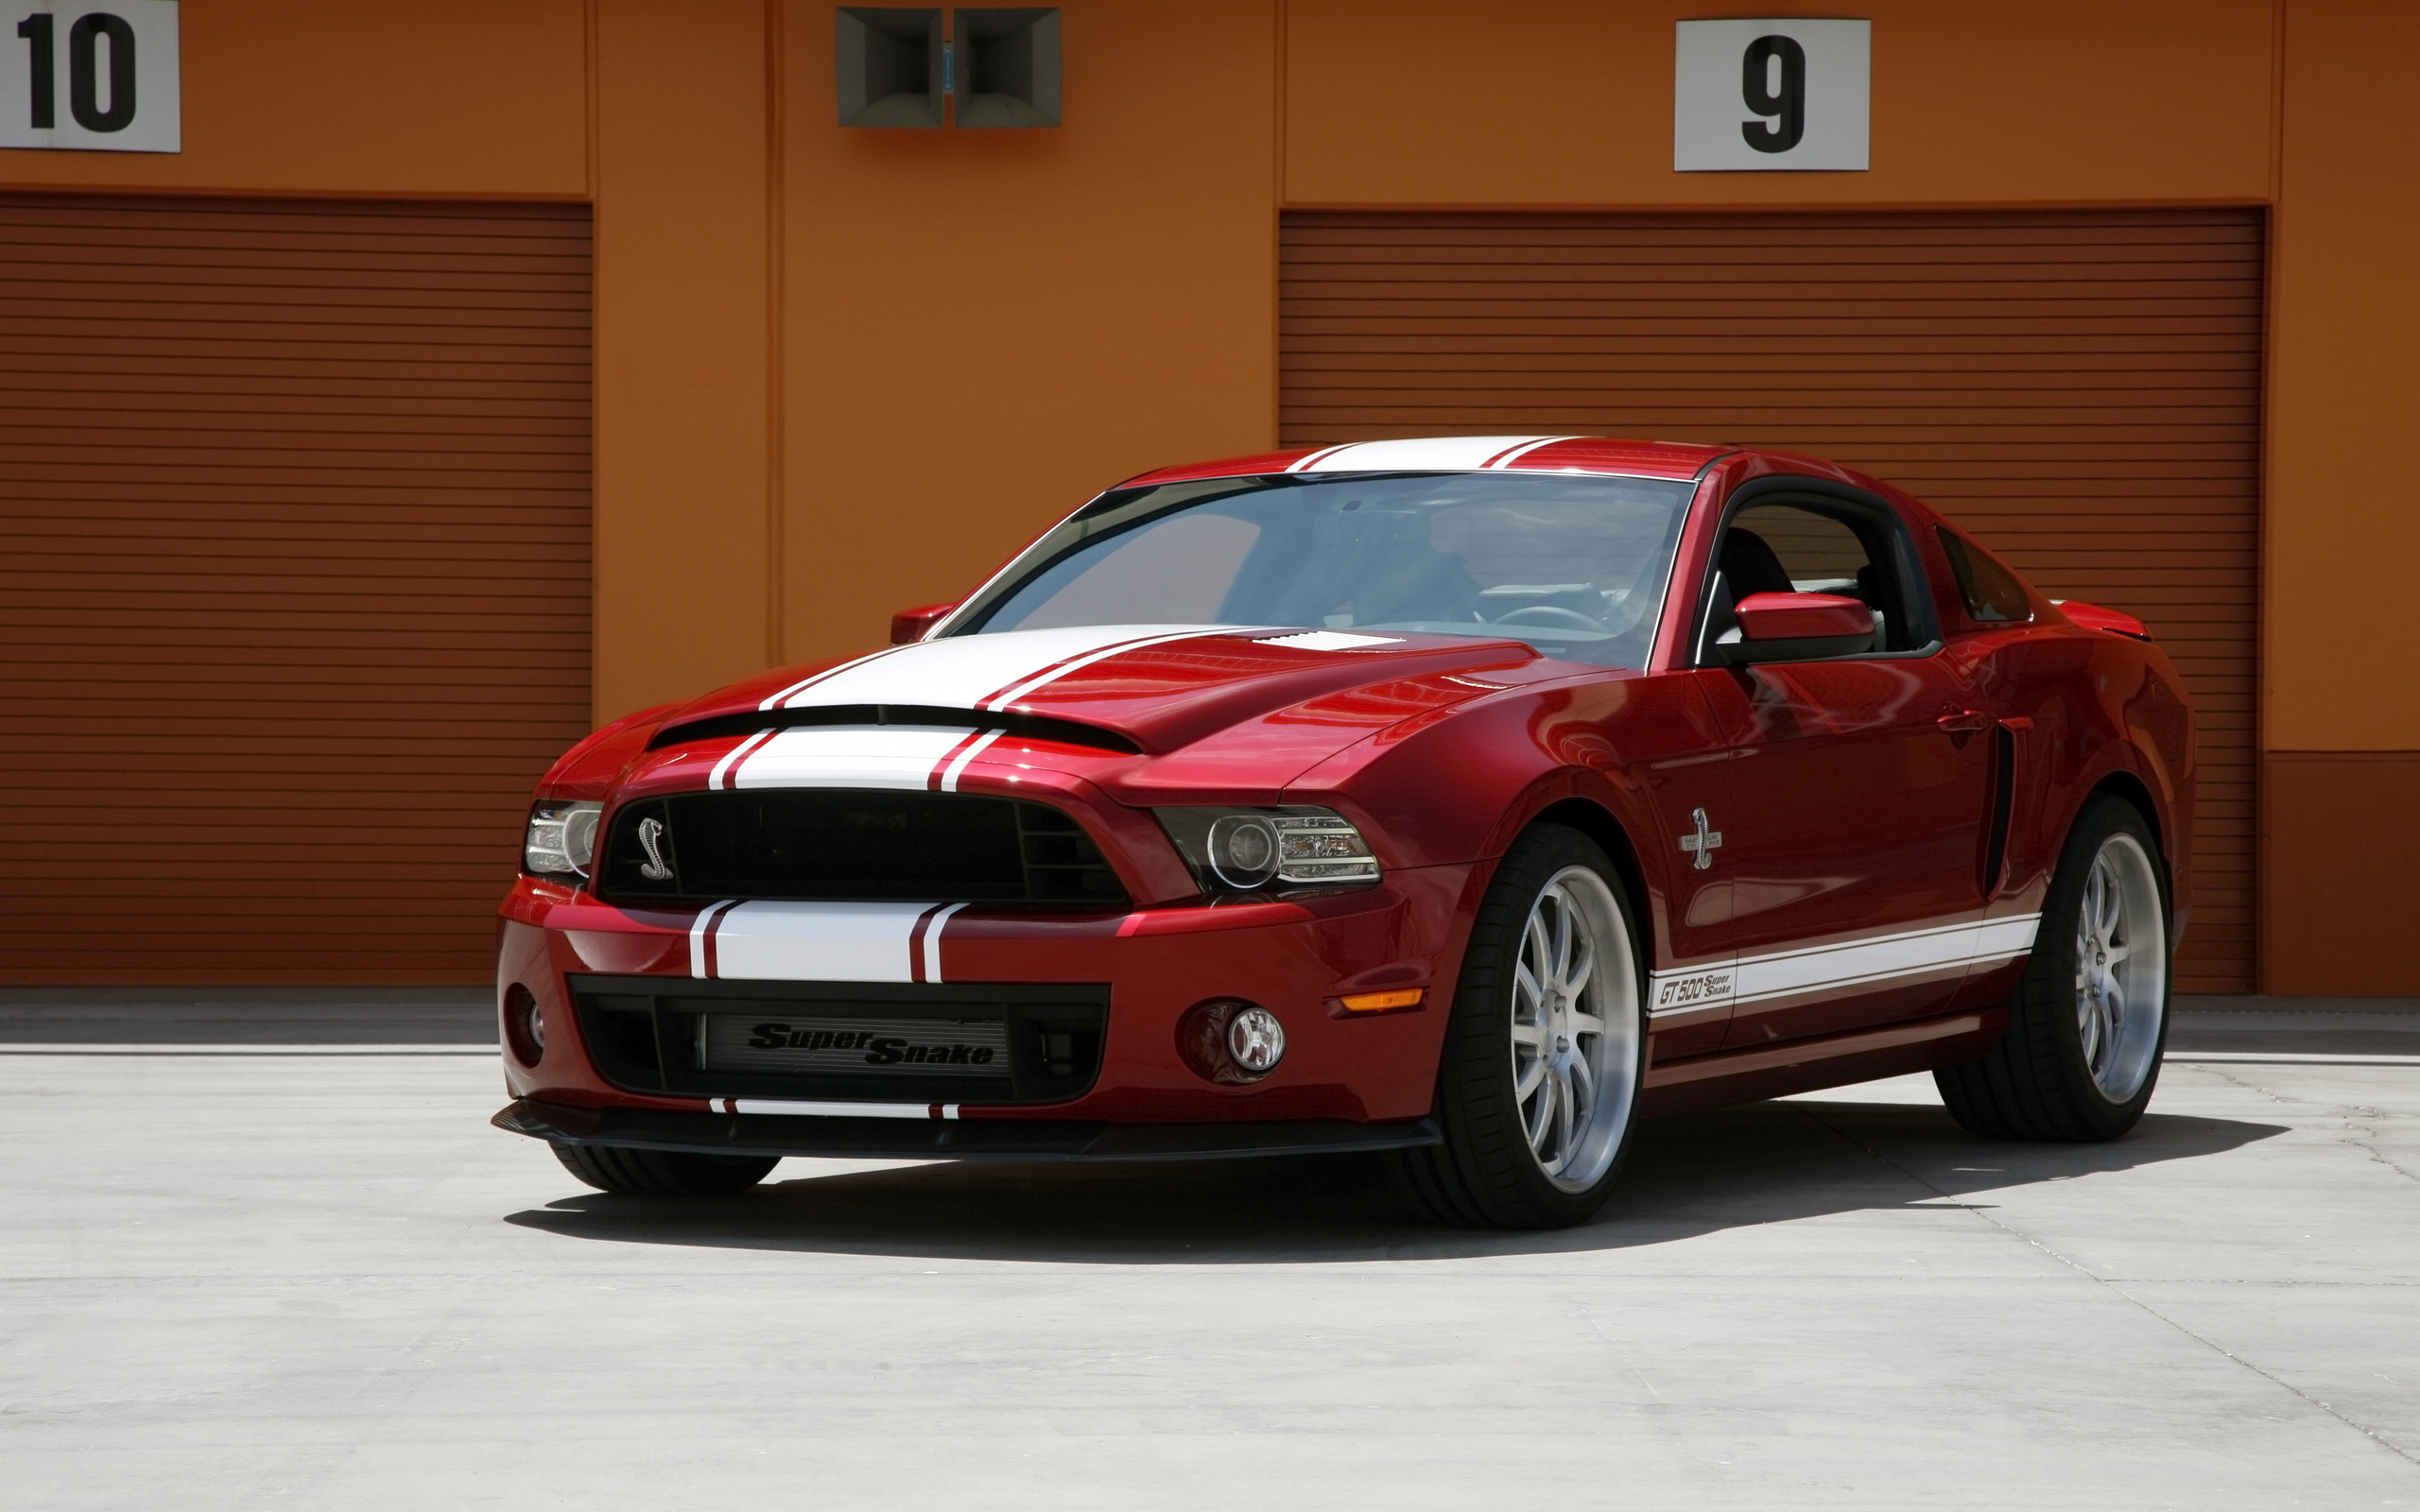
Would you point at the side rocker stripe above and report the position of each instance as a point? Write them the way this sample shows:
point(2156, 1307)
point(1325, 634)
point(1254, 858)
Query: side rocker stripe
point(1840, 967)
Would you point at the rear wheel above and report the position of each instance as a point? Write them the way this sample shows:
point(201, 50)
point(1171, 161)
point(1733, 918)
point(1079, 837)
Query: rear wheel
point(663, 1173)
point(2089, 1021)
point(1537, 1090)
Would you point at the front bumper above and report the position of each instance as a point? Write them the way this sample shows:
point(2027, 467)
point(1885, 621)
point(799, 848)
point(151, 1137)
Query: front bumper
point(713, 1133)
point(1148, 967)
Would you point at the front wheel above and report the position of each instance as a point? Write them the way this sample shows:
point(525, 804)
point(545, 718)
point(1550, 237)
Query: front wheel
point(2089, 1021)
point(663, 1173)
point(1538, 1087)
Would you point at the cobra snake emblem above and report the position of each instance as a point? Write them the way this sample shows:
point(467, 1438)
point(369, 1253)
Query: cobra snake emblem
point(651, 840)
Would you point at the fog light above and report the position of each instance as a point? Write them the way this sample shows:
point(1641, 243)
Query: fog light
point(1229, 1042)
point(1256, 1040)
point(524, 1025)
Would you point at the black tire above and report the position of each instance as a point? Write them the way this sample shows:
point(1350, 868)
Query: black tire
point(663, 1173)
point(2037, 1083)
point(1486, 1173)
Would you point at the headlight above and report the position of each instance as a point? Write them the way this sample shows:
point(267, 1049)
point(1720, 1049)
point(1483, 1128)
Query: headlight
point(1245, 850)
point(562, 840)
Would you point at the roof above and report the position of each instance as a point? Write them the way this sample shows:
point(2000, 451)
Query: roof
point(1460, 453)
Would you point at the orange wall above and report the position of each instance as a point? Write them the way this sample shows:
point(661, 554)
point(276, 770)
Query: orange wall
point(683, 348)
point(1569, 102)
point(2344, 659)
point(985, 328)
point(441, 98)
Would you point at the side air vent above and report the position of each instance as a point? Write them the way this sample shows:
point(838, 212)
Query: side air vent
point(848, 845)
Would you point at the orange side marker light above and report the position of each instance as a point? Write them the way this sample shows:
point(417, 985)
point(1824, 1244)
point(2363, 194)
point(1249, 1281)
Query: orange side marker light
point(1408, 997)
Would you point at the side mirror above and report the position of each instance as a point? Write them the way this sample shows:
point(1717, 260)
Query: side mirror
point(1797, 627)
point(912, 625)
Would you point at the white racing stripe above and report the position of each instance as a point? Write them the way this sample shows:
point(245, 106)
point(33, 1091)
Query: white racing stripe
point(1329, 641)
point(958, 763)
point(932, 942)
point(700, 966)
point(1840, 967)
point(1076, 664)
point(1519, 452)
point(973, 672)
point(963, 671)
point(844, 756)
point(809, 681)
point(776, 941)
point(2003, 939)
point(735, 755)
point(1432, 453)
point(1786, 973)
point(781, 1108)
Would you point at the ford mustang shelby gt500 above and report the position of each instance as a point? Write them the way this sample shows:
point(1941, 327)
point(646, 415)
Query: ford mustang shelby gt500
point(1463, 798)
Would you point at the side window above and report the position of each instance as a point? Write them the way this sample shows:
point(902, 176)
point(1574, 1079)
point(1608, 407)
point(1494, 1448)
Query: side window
point(1804, 548)
point(1992, 595)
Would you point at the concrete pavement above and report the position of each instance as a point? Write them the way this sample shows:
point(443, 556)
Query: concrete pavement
point(271, 1271)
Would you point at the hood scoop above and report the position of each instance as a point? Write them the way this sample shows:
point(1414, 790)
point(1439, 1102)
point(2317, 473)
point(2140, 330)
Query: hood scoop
point(1127, 689)
point(1040, 727)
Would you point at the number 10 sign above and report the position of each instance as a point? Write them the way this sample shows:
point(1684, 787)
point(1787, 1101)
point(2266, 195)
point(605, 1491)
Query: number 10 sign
point(1770, 94)
point(97, 75)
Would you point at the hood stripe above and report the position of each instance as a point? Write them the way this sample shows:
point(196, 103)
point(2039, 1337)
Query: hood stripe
point(960, 670)
point(946, 776)
point(723, 775)
point(1005, 697)
point(806, 683)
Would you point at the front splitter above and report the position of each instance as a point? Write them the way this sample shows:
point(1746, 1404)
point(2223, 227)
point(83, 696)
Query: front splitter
point(1005, 1139)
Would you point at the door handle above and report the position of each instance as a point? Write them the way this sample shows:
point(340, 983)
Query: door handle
point(1964, 722)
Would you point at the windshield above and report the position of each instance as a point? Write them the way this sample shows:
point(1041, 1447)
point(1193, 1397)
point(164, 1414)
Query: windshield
point(1573, 565)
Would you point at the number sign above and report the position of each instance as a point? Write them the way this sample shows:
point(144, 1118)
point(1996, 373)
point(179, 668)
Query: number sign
point(97, 76)
point(1766, 94)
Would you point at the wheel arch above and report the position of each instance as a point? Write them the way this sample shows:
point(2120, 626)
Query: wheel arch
point(1604, 826)
point(2132, 790)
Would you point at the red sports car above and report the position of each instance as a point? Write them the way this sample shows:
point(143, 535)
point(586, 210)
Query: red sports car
point(1465, 799)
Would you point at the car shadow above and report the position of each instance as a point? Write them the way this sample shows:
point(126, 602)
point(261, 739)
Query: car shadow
point(1758, 1163)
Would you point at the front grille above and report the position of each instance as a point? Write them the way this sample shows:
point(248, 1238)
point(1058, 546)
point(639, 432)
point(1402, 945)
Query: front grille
point(867, 1042)
point(849, 845)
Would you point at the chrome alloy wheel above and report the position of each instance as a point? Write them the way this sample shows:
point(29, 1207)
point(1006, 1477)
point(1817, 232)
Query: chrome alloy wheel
point(1575, 1039)
point(2121, 966)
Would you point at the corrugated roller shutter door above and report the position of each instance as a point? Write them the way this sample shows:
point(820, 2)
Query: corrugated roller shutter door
point(2081, 388)
point(294, 498)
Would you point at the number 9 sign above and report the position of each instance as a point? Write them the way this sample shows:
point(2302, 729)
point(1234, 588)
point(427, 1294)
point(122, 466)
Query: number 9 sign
point(1779, 94)
point(96, 76)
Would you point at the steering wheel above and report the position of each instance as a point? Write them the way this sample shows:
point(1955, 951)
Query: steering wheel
point(1550, 614)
